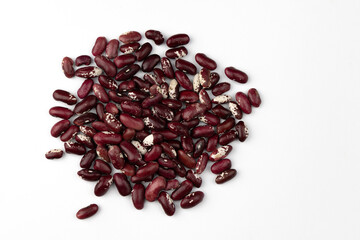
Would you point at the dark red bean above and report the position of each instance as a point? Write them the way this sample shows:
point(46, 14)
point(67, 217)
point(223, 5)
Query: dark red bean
point(128, 169)
point(202, 131)
point(201, 163)
point(108, 82)
point(162, 111)
point(69, 133)
point(147, 170)
point(220, 88)
point(118, 97)
point(112, 122)
point(129, 37)
point(64, 96)
point(192, 199)
point(175, 144)
point(226, 125)
point(153, 154)
point(183, 80)
point(167, 163)
point(122, 184)
point(254, 97)
point(221, 166)
point(210, 119)
point(103, 185)
point(167, 203)
point(116, 157)
point(166, 173)
point(99, 46)
point(225, 176)
point(124, 60)
point(187, 144)
point(138, 196)
point(242, 131)
point(88, 159)
point(205, 99)
point(82, 60)
point(60, 127)
point(88, 131)
point(131, 152)
point(54, 154)
point(85, 88)
point(67, 66)
point(143, 51)
point(228, 137)
point(177, 116)
point(136, 95)
point(180, 170)
point(185, 159)
point(127, 72)
point(220, 153)
point(236, 75)
point(150, 62)
point(100, 126)
point(205, 61)
point(167, 68)
point(61, 112)
point(178, 128)
point(127, 86)
point(75, 148)
point(184, 189)
point(174, 89)
point(143, 85)
point(132, 108)
point(194, 178)
point(151, 100)
point(87, 212)
point(85, 105)
point(172, 184)
point(191, 124)
point(193, 110)
point(177, 40)
point(159, 74)
point(130, 47)
point(212, 143)
point(131, 122)
point(154, 188)
point(112, 108)
point(214, 79)
point(155, 123)
point(89, 174)
point(221, 112)
point(100, 111)
point(155, 35)
point(204, 78)
point(199, 147)
point(243, 102)
point(102, 153)
point(88, 72)
point(85, 118)
point(106, 64)
point(102, 138)
point(235, 110)
point(168, 149)
point(185, 66)
point(85, 140)
point(188, 96)
point(172, 103)
point(176, 52)
point(102, 166)
point(112, 48)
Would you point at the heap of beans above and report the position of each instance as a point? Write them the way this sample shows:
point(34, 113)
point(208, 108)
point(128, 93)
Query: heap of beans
point(151, 131)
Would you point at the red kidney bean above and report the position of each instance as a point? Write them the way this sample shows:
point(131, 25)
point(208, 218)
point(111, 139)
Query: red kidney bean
point(138, 196)
point(132, 108)
point(82, 60)
point(220, 88)
point(111, 108)
point(225, 176)
point(243, 102)
point(196, 83)
point(85, 105)
point(221, 112)
point(177, 40)
point(174, 89)
point(184, 189)
point(75, 148)
point(136, 95)
point(235, 110)
point(88, 72)
point(192, 199)
point(100, 111)
point(142, 150)
point(205, 99)
point(204, 78)
point(127, 72)
point(236, 75)
point(102, 138)
point(127, 86)
point(159, 74)
point(185, 66)
point(178, 128)
point(167, 67)
point(128, 170)
point(129, 47)
point(187, 144)
point(254, 97)
point(129, 37)
point(85, 88)
point(112, 48)
point(136, 179)
point(210, 119)
point(172, 103)
point(111, 121)
point(201, 163)
point(155, 35)
point(221, 99)
point(199, 147)
point(116, 157)
point(103, 185)
point(191, 124)
point(226, 125)
point(220, 166)
point(150, 62)
point(185, 159)
point(166, 173)
point(85, 140)
point(122, 184)
point(214, 79)
point(67, 66)
point(107, 82)
point(153, 154)
point(163, 112)
point(124, 60)
point(69, 133)
point(177, 116)
point(60, 127)
point(166, 133)
point(87, 131)
point(166, 203)
point(54, 154)
point(85, 118)
point(147, 170)
point(167, 163)
point(143, 85)
point(176, 52)
point(102, 153)
point(180, 170)
point(131, 122)
point(118, 97)
point(194, 178)
point(168, 149)
point(242, 131)
point(212, 143)
point(150, 78)
point(102, 167)
point(99, 46)
point(154, 188)
point(87, 212)
point(220, 153)
point(143, 51)
point(88, 159)
point(64, 96)
point(228, 137)
point(202, 131)
point(188, 96)
point(183, 80)
point(152, 122)
point(106, 64)
point(205, 61)
point(61, 112)
point(193, 110)
point(131, 152)
point(100, 126)
point(89, 174)
point(172, 184)
point(154, 138)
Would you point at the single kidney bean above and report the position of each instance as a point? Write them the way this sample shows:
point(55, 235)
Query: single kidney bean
point(129, 37)
point(172, 184)
point(225, 176)
point(221, 112)
point(221, 99)
point(102, 167)
point(143, 51)
point(108, 82)
point(116, 157)
point(85, 140)
point(180, 170)
point(204, 78)
point(107, 65)
point(185, 66)
point(166, 203)
point(88, 72)
point(243, 102)
point(142, 150)
point(64, 96)
point(188, 96)
point(127, 86)
point(166, 173)
point(61, 112)
point(118, 97)
point(112, 108)
point(167, 163)
point(99, 46)
point(193, 110)
point(127, 72)
point(154, 188)
point(102, 153)
point(177, 40)
point(166, 133)
point(131, 122)
point(85, 88)
point(129, 47)
point(235, 110)
point(202, 131)
point(128, 169)
point(199, 147)
point(153, 154)
point(254, 97)
point(69, 133)
point(174, 89)
point(82, 60)
point(75, 148)
point(87, 131)
point(242, 131)
point(54, 154)
point(226, 125)
point(60, 127)
point(85, 105)
point(155, 35)
point(150, 62)
point(122, 184)
point(205, 61)
point(136, 179)
point(162, 111)
point(89, 174)
point(88, 159)
point(67, 66)
point(212, 143)
point(220, 153)
point(138, 196)
point(178, 128)
point(167, 67)
point(152, 122)
point(187, 144)
point(192, 199)
point(196, 83)
point(131, 152)
point(184, 189)
point(220, 88)
point(185, 159)
point(132, 108)
point(103, 138)
point(159, 74)
point(87, 212)
point(136, 95)
point(85, 118)
point(201, 163)
point(228, 137)
point(100, 126)
point(214, 79)
point(154, 138)
point(205, 99)
point(124, 60)
point(210, 119)
point(113, 123)
point(236, 75)
point(103, 185)
point(112, 48)
point(100, 111)
point(183, 80)
point(150, 78)
point(172, 103)
point(168, 149)
point(194, 178)
point(221, 166)
point(176, 52)
point(191, 123)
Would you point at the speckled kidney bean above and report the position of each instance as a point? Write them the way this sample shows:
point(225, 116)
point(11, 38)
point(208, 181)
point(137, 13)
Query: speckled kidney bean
point(196, 83)
point(88, 72)
point(243, 102)
point(225, 176)
point(162, 111)
point(82, 60)
point(172, 103)
point(199, 147)
point(85, 140)
point(155, 35)
point(99, 46)
point(141, 84)
point(178, 128)
point(205, 99)
point(67, 66)
point(60, 127)
point(89, 174)
point(151, 139)
point(143, 51)
point(131, 152)
point(205, 61)
point(85, 105)
point(204, 78)
point(183, 80)
point(150, 62)
point(127, 72)
point(220, 88)
point(89, 131)
point(172, 184)
point(64, 96)
point(202, 131)
point(212, 143)
point(167, 163)
point(214, 79)
point(178, 40)
point(168, 149)
point(159, 75)
point(185, 66)
point(221, 112)
point(112, 48)
point(112, 122)
point(194, 178)
point(228, 137)
point(69, 133)
point(107, 82)
point(236, 75)
point(85, 88)
point(167, 67)
point(131, 36)
point(153, 189)
point(61, 112)
point(192, 199)
point(103, 185)
point(75, 148)
point(188, 96)
point(185, 159)
point(132, 108)
point(103, 138)
point(221, 99)
point(124, 60)
point(106, 64)
point(54, 154)
point(118, 97)
point(85, 118)
point(254, 97)
point(220, 166)
point(187, 144)
point(131, 122)
point(184, 189)
point(210, 119)
point(201, 163)
point(136, 95)
point(87, 212)
point(193, 110)
point(235, 110)
point(176, 52)
point(102, 166)
point(191, 123)
point(138, 196)
point(116, 157)
point(166, 203)
point(128, 85)
point(122, 184)
point(220, 153)
point(152, 122)
point(102, 153)
point(88, 158)
point(226, 125)
point(129, 47)
point(174, 89)
point(242, 131)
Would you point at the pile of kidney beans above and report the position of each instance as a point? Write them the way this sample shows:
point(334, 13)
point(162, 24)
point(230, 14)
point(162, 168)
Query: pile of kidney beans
point(154, 130)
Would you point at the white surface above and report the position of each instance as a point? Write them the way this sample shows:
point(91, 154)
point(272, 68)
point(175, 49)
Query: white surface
point(298, 171)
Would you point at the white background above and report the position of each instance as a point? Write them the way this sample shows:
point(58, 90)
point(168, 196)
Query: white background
point(299, 170)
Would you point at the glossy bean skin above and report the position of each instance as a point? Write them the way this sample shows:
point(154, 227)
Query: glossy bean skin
point(225, 176)
point(89, 174)
point(88, 159)
point(61, 112)
point(184, 189)
point(185, 159)
point(138, 196)
point(235, 110)
point(82, 60)
point(131, 122)
point(210, 119)
point(242, 131)
point(220, 166)
point(112, 122)
point(60, 127)
point(201, 163)
point(127, 72)
point(188, 96)
point(221, 112)
point(172, 184)
point(192, 199)
point(67, 66)
point(185, 66)
point(205, 61)
point(129, 37)
point(106, 64)
point(152, 122)
point(178, 128)
point(111, 108)
point(89, 131)
point(220, 153)
point(103, 138)
point(103, 185)
point(183, 80)
point(87, 212)
point(131, 152)
point(85, 119)
point(129, 47)
point(212, 143)
point(69, 133)
point(64, 96)
point(75, 148)
point(204, 78)
point(166, 173)
point(112, 48)
point(194, 178)
point(85, 88)
point(147, 170)
point(177, 40)
point(88, 72)
point(168, 149)
point(54, 154)
point(166, 66)
point(99, 46)
point(155, 35)
point(254, 97)
point(236, 75)
point(220, 88)
point(193, 110)
point(85, 140)
point(108, 82)
point(150, 62)
point(128, 170)
point(205, 99)
point(214, 79)
point(166, 203)
point(102, 152)
point(202, 131)
point(243, 102)
point(116, 157)
point(199, 147)
point(124, 60)
point(225, 125)
point(128, 134)
point(143, 51)
point(176, 52)
point(122, 184)
point(153, 153)
point(154, 188)
point(102, 167)
point(85, 105)
point(187, 144)
point(228, 137)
